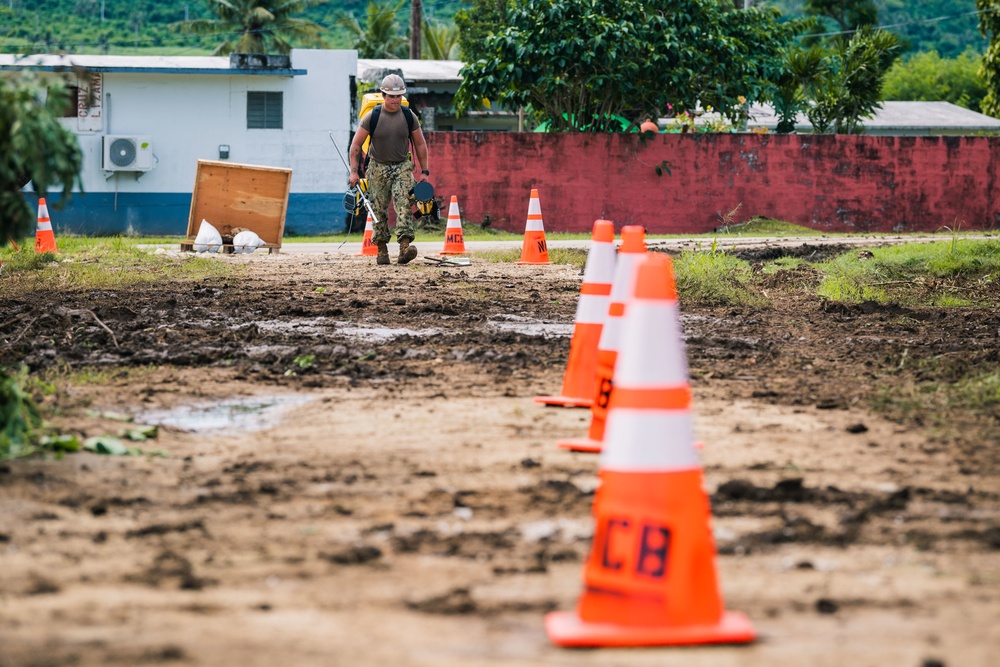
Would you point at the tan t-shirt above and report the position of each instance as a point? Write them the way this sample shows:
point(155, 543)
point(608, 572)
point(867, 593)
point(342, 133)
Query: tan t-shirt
point(391, 141)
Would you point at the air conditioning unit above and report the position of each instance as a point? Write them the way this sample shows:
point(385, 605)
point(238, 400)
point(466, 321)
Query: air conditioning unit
point(124, 153)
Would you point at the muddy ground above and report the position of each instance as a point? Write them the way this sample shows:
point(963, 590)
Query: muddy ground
point(386, 491)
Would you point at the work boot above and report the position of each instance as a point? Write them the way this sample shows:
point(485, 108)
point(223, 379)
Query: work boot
point(383, 254)
point(407, 252)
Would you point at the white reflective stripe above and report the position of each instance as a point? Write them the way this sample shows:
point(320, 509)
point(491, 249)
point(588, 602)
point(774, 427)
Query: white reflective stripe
point(649, 441)
point(453, 210)
point(600, 263)
point(651, 352)
point(624, 281)
point(611, 335)
point(591, 309)
point(534, 226)
point(43, 211)
point(534, 206)
point(44, 225)
point(454, 224)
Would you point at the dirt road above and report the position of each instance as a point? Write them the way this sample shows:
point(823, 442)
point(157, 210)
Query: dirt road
point(356, 474)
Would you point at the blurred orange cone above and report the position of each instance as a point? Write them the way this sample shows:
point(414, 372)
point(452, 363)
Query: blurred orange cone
point(368, 249)
point(632, 250)
point(45, 239)
point(591, 311)
point(534, 250)
point(650, 579)
point(454, 242)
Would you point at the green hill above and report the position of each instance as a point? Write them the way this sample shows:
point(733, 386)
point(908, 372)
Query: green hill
point(946, 26)
point(149, 26)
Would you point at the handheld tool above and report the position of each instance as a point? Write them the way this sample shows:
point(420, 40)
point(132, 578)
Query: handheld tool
point(354, 193)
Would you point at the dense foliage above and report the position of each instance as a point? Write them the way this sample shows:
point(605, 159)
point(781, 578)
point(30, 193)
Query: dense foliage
point(625, 58)
point(33, 145)
point(929, 77)
point(989, 23)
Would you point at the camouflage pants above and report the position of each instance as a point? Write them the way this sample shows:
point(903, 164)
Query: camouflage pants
point(391, 181)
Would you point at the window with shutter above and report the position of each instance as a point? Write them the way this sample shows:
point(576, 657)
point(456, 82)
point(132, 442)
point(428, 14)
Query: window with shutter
point(264, 111)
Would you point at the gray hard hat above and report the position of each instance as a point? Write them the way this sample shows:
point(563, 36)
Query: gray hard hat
point(393, 85)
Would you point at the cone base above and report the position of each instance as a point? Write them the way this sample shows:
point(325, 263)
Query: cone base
point(566, 628)
point(522, 263)
point(565, 401)
point(452, 252)
point(581, 445)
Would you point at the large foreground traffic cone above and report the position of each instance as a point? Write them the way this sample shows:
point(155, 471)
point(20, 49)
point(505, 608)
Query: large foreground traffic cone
point(650, 578)
point(591, 311)
point(454, 242)
point(534, 250)
point(632, 250)
point(45, 239)
point(367, 247)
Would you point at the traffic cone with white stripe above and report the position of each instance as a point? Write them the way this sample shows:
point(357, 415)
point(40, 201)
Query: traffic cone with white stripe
point(534, 250)
point(45, 239)
point(454, 242)
point(368, 249)
point(591, 311)
point(632, 250)
point(650, 579)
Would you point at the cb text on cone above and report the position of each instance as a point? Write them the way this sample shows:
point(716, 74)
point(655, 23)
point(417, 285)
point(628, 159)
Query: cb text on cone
point(591, 311)
point(45, 239)
point(534, 250)
point(454, 241)
point(650, 578)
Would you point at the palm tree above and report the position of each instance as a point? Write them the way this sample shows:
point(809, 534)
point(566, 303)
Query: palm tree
point(258, 26)
point(440, 41)
point(379, 37)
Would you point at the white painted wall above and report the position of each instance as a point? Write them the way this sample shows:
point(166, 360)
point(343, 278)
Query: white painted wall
point(188, 116)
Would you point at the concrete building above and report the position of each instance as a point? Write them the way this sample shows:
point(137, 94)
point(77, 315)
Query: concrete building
point(143, 122)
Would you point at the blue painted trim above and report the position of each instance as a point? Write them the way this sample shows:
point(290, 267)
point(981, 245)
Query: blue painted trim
point(160, 70)
point(166, 213)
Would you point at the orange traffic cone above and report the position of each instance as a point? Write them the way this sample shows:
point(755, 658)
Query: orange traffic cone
point(632, 250)
point(454, 242)
point(534, 250)
point(591, 311)
point(368, 249)
point(650, 579)
point(45, 239)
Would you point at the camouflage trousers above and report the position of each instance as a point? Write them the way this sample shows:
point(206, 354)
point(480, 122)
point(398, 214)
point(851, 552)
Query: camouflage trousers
point(391, 181)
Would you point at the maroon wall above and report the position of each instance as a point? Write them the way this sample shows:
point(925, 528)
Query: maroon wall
point(830, 183)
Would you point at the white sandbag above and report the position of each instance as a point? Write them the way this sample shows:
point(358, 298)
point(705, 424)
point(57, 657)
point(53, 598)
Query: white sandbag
point(247, 241)
point(209, 239)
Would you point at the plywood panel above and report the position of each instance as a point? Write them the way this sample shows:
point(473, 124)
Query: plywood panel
point(230, 195)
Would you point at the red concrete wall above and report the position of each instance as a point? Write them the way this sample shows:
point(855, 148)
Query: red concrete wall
point(829, 183)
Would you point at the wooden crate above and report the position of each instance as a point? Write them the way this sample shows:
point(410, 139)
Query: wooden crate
point(232, 195)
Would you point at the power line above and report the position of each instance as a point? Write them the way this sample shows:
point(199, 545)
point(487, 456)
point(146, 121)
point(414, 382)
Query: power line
point(906, 23)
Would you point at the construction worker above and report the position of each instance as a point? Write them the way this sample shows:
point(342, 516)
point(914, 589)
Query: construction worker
point(390, 168)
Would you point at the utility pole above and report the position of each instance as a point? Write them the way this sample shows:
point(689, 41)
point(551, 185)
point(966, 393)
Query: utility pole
point(416, 21)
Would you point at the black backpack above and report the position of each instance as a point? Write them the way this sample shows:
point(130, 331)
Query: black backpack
point(376, 112)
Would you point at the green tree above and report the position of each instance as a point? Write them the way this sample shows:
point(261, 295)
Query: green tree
point(258, 26)
point(579, 63)
point(380, 36)
point(33, 146)
point(989, 25)
point(929, 77)
point(849, 87)
point(849, 15)
point(440, 41)
point(478, 22)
